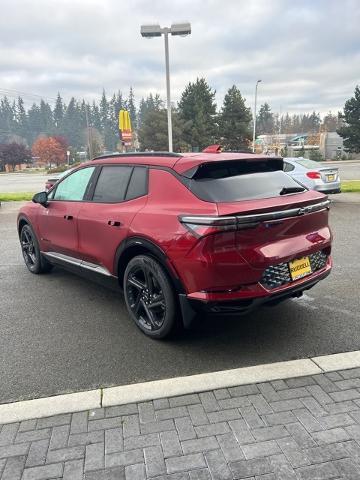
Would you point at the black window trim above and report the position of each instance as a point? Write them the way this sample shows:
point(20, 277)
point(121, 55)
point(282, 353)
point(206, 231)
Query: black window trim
point(99, 168)
point(88, 187)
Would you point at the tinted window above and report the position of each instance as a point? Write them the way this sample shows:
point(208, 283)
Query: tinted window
point(288, 167)
point(242, 187)
point(138, 183)
point(308, 163)
point(74, 186)
point(112, 184)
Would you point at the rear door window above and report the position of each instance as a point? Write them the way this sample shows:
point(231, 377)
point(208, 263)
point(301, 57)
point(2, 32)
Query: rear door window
point(138, 183)
point(112, 184)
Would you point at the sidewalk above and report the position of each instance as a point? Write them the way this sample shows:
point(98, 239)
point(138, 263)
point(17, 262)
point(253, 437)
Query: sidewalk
point(304, 428)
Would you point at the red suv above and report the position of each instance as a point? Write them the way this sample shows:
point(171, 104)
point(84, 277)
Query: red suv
point(182, 233)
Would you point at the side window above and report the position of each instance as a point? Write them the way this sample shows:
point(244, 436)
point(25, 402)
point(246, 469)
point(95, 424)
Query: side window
point(74, 186)
point(112, 184)
point(288, 167)
point(138, 183)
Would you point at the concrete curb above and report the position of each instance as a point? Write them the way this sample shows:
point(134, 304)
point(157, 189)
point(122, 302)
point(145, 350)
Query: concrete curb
point(75, 402)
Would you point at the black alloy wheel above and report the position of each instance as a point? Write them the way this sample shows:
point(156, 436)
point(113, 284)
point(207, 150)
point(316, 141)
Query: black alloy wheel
point(31, 251)
point(149, 296)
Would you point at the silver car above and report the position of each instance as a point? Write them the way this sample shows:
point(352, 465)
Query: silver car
point(313, 175)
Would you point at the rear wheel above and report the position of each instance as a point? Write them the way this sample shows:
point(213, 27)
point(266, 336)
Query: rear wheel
point(150, 297)
point(34, 261)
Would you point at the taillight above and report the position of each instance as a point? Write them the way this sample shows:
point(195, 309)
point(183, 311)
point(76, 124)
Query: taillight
point(313, 175)
point(202, 226)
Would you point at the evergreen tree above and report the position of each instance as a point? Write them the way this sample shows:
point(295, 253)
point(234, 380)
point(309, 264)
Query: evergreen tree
point(197, 109)
point(34, 118)
point(22, 120)
point(95, 117)
point(47, 122)
point(71, 129)
point(265, 124)
point(106, 126)
point(132, 109)
point(234, 121)
point(59, 113)
point(7, 119)
point(351, 130)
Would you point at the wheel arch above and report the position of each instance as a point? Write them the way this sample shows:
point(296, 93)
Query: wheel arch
point(134, 246)
point(22, 220)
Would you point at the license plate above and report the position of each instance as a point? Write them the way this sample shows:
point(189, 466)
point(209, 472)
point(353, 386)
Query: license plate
point(330, 178)
point(300, 268)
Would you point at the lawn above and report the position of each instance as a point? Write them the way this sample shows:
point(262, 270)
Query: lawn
point(350, 186)
point(14, 197)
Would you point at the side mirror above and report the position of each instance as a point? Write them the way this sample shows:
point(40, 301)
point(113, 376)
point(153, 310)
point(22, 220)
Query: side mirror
point(41, 197)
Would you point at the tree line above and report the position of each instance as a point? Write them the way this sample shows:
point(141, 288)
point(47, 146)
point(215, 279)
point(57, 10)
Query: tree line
point(197, 122)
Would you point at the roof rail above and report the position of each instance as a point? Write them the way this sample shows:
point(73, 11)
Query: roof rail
point(139, 154)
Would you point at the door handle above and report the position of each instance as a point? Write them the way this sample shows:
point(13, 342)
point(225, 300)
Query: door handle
point(68, 217)
point(114, 223)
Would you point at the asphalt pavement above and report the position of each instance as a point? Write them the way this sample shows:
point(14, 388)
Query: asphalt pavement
point(27, 182)
point(60, 333)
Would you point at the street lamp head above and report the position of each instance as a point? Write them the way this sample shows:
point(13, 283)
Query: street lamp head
point(259, 81)
point(182, 29)
point(150, 31)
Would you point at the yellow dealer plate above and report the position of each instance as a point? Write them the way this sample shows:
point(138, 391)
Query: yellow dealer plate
point(300, 268)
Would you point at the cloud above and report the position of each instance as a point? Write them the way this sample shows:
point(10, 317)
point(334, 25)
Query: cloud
point(306, 53)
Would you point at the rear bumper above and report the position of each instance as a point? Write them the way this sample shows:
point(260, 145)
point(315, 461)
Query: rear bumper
point(333, 187)
point(237, 303)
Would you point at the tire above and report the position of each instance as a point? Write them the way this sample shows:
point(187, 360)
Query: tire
point(150, 297)
point(33, 259)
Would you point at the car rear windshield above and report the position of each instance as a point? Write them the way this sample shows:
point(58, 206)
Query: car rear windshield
point(232, 183)
point(308, 163)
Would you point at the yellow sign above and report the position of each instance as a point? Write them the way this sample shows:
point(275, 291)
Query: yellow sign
point(300, 268)
point(124, 121)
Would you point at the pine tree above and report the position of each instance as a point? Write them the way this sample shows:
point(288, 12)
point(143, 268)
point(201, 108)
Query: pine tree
point(59, 113)
point(265, 124)
point(71, 129)
point(234, 121)
point(34, 118)
point(351, 130)
point(132, 109)
point(22, 120)
point(7, 119)
point(197, 109)
point(47, 122)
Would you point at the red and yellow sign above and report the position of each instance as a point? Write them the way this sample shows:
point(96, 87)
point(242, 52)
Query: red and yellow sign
point(125, 126)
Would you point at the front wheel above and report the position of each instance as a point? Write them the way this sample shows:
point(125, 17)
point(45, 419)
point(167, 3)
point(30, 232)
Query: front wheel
point(150, 297)
point(31, 251)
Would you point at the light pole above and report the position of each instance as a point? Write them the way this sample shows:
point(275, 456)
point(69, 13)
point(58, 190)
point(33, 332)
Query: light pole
point(254, 131)
point(150, 31)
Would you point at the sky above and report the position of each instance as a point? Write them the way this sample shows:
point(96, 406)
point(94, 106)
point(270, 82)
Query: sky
point(306, 52)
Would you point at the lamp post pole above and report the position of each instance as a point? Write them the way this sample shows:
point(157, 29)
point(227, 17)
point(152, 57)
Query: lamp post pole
point(150, 31)
point(254, 131)
point(168, 99)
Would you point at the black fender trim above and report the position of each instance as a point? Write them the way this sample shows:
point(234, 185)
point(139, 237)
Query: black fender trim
point(155, 250)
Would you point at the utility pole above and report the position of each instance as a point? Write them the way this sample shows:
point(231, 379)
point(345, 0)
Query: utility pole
point(254, 131)
point(89, 134)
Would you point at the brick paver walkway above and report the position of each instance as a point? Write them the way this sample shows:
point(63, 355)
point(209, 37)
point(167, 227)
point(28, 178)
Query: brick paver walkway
point(304, 428)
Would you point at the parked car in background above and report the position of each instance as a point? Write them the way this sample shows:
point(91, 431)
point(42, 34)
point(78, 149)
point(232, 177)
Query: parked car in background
point(313, 175)
point(218, 233)
point(50, 182)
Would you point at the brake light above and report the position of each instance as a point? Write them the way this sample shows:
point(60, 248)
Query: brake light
point(202, 226)
point(313, 175)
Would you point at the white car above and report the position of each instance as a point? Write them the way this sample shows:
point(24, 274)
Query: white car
point(313, 175)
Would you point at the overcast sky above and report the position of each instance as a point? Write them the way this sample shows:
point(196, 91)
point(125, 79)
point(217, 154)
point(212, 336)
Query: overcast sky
point(307, 52)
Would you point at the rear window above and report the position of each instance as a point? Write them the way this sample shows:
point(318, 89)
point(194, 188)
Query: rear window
point(228, 184)
point(308, 163)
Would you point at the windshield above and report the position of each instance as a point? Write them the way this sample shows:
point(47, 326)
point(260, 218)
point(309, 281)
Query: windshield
point(245, 187)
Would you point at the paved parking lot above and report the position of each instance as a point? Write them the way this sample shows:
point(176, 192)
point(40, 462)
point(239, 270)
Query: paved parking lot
point(60, 333)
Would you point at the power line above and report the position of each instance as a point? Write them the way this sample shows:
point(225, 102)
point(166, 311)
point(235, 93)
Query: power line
point(10, 92)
